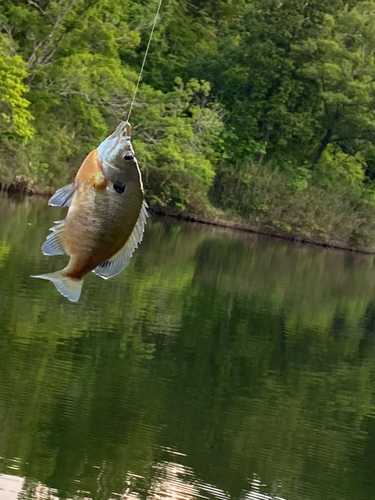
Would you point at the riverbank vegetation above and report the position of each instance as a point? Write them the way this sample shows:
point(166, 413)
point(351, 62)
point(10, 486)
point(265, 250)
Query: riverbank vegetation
point(264, 110)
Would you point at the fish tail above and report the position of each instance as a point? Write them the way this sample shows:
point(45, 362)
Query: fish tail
point(68, 287)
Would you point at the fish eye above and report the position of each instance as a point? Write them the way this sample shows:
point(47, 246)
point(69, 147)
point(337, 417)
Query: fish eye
point(119, 187)
point(128, 157)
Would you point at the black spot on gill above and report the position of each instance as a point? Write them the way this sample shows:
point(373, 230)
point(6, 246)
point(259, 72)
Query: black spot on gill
point(119, 187)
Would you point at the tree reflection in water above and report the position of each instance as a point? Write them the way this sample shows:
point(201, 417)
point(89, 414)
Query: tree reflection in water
point(252, 357)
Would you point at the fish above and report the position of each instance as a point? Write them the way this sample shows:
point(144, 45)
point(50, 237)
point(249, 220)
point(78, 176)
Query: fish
point(106, 215)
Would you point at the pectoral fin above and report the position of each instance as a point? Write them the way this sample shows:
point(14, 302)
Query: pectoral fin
point(63, 196)
point(121, 259)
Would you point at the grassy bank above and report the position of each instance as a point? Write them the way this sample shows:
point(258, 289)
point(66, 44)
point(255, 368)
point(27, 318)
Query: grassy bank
point(272, 202)
point(302, 205)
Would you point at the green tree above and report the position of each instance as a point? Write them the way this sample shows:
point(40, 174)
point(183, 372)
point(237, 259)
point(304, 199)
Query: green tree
point(341, 64)
point(15, 117)
point(82, 74)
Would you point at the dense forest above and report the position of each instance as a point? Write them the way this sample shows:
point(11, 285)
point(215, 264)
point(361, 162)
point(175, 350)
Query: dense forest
point(262, 110)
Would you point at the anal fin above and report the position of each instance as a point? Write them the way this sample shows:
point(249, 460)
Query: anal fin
point(121, 259)
point(53, 244)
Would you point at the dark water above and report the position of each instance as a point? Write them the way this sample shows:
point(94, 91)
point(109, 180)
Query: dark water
point(218, 365)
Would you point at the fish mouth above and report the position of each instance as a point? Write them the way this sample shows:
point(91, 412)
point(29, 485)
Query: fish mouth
point(112, 148)
point(124, 129)
point(118, 140)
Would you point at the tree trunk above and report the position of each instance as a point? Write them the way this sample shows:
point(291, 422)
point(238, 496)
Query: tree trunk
point(265, 137)
point(325, 141)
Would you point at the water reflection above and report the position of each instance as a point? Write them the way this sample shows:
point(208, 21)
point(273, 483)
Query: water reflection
point(218, 365)
point(170, 480)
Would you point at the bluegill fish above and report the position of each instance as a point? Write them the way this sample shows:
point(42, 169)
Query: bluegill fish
point(106, 216)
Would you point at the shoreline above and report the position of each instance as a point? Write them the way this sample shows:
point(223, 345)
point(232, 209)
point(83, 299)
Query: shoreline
point(23, 189)
point(241, 225)
point(20, 189)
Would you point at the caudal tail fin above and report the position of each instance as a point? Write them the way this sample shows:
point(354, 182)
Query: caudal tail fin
point(68, 287)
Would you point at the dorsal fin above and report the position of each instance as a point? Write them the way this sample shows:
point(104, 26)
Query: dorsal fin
point(121, 259)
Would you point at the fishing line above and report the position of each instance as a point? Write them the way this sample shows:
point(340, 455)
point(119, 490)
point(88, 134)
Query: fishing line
point(145, 57)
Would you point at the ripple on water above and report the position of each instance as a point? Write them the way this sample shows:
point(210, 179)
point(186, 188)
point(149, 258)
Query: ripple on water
point(218, 365)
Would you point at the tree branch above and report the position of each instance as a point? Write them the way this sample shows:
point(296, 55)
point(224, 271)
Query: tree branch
point(43, 45)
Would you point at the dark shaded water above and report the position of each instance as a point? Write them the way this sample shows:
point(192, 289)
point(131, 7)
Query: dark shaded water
point(218, 365)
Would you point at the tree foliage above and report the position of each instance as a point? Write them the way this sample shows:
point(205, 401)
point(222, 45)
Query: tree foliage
point(233, 93)
point(15, 118)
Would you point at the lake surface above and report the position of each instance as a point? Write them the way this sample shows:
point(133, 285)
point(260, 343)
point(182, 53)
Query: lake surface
point(218, 365)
